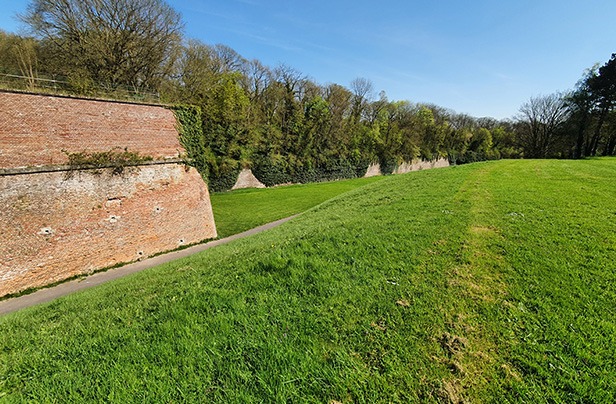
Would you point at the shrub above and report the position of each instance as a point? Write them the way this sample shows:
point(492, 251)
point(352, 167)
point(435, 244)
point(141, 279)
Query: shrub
point(116, 160)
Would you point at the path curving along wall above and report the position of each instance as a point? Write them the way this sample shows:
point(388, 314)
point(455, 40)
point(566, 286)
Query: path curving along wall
point(58, 222)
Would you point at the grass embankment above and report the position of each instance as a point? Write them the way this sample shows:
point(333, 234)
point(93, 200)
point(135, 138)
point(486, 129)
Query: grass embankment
point(487, 282)
point(241, 210)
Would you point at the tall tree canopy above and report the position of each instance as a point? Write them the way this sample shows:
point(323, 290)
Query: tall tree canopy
point(109, 42)
point(602, 89)
point(540, 120)
point(578, 124)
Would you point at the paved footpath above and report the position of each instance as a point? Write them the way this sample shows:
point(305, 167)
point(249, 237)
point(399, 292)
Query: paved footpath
point(51, 293)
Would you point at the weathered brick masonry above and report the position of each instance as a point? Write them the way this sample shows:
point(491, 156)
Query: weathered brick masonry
point(57, 224)
point(35, 130)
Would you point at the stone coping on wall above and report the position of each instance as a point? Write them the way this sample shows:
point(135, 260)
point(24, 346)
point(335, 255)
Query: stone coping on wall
point(60, 168)
point(85, 97)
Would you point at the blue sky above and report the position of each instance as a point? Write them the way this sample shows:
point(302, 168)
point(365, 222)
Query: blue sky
point(484, 58)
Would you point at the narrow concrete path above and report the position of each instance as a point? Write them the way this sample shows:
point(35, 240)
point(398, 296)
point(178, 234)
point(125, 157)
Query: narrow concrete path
point(51, 293)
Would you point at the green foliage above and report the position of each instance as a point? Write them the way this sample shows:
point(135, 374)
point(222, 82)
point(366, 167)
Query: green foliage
point(276, 169)
point(19, 55)
point(456, 284)
point(113, 159)
point(272, 171)
point(329, 171)
point(224, 117)
point(431, 134)
point(190, 129)
point(288, 129)
point(225, 176)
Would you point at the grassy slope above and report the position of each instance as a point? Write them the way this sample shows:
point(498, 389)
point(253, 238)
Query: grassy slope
point(492, 282)
point(237, 211)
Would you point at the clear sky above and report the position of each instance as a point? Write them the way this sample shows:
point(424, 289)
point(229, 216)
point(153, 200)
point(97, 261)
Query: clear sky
point(484, 58)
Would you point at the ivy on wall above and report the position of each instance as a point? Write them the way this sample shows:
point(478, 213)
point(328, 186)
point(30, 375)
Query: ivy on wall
point(190, 128)
point(220, 171)
point(115, 159)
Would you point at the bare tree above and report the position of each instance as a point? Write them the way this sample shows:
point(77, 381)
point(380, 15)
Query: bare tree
point(111, 42)
point(539, 121)
point(363, 91)
point(256, 78)
point(228, 59)
point(291, 79)
point(25, 54)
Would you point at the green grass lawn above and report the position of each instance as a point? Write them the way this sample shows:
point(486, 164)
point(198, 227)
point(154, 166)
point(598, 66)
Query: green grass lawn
point(490, 282)
point(237, 211)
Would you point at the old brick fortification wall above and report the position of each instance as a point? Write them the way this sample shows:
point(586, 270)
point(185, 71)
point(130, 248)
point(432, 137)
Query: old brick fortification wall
point(57, 223)
point(418, 165)
point(406, 167)
point(35, 130)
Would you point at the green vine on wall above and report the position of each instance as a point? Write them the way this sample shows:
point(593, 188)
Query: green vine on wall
point(189, 126)
point(115, 159)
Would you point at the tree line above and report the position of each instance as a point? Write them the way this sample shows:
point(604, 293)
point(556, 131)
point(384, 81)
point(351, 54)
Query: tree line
point(276, 120)
point(287, 128)
point(575, 124)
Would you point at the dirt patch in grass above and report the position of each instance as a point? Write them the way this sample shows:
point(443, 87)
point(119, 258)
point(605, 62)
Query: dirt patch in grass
point(451, 393)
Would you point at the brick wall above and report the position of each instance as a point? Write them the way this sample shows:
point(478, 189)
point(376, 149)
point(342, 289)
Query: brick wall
point(58, 224)
point(35, 129)
point(54, 227)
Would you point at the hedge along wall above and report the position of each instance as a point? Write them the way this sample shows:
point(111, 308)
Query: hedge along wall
point(60, 221)
point(246, 178)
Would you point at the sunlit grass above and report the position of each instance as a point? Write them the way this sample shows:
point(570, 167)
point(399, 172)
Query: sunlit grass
point(241, 210)
point(493, 282)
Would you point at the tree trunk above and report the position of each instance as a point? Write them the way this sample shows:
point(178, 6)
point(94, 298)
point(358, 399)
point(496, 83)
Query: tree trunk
point(610, 147)
point(594, 144)
point(579, 145)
